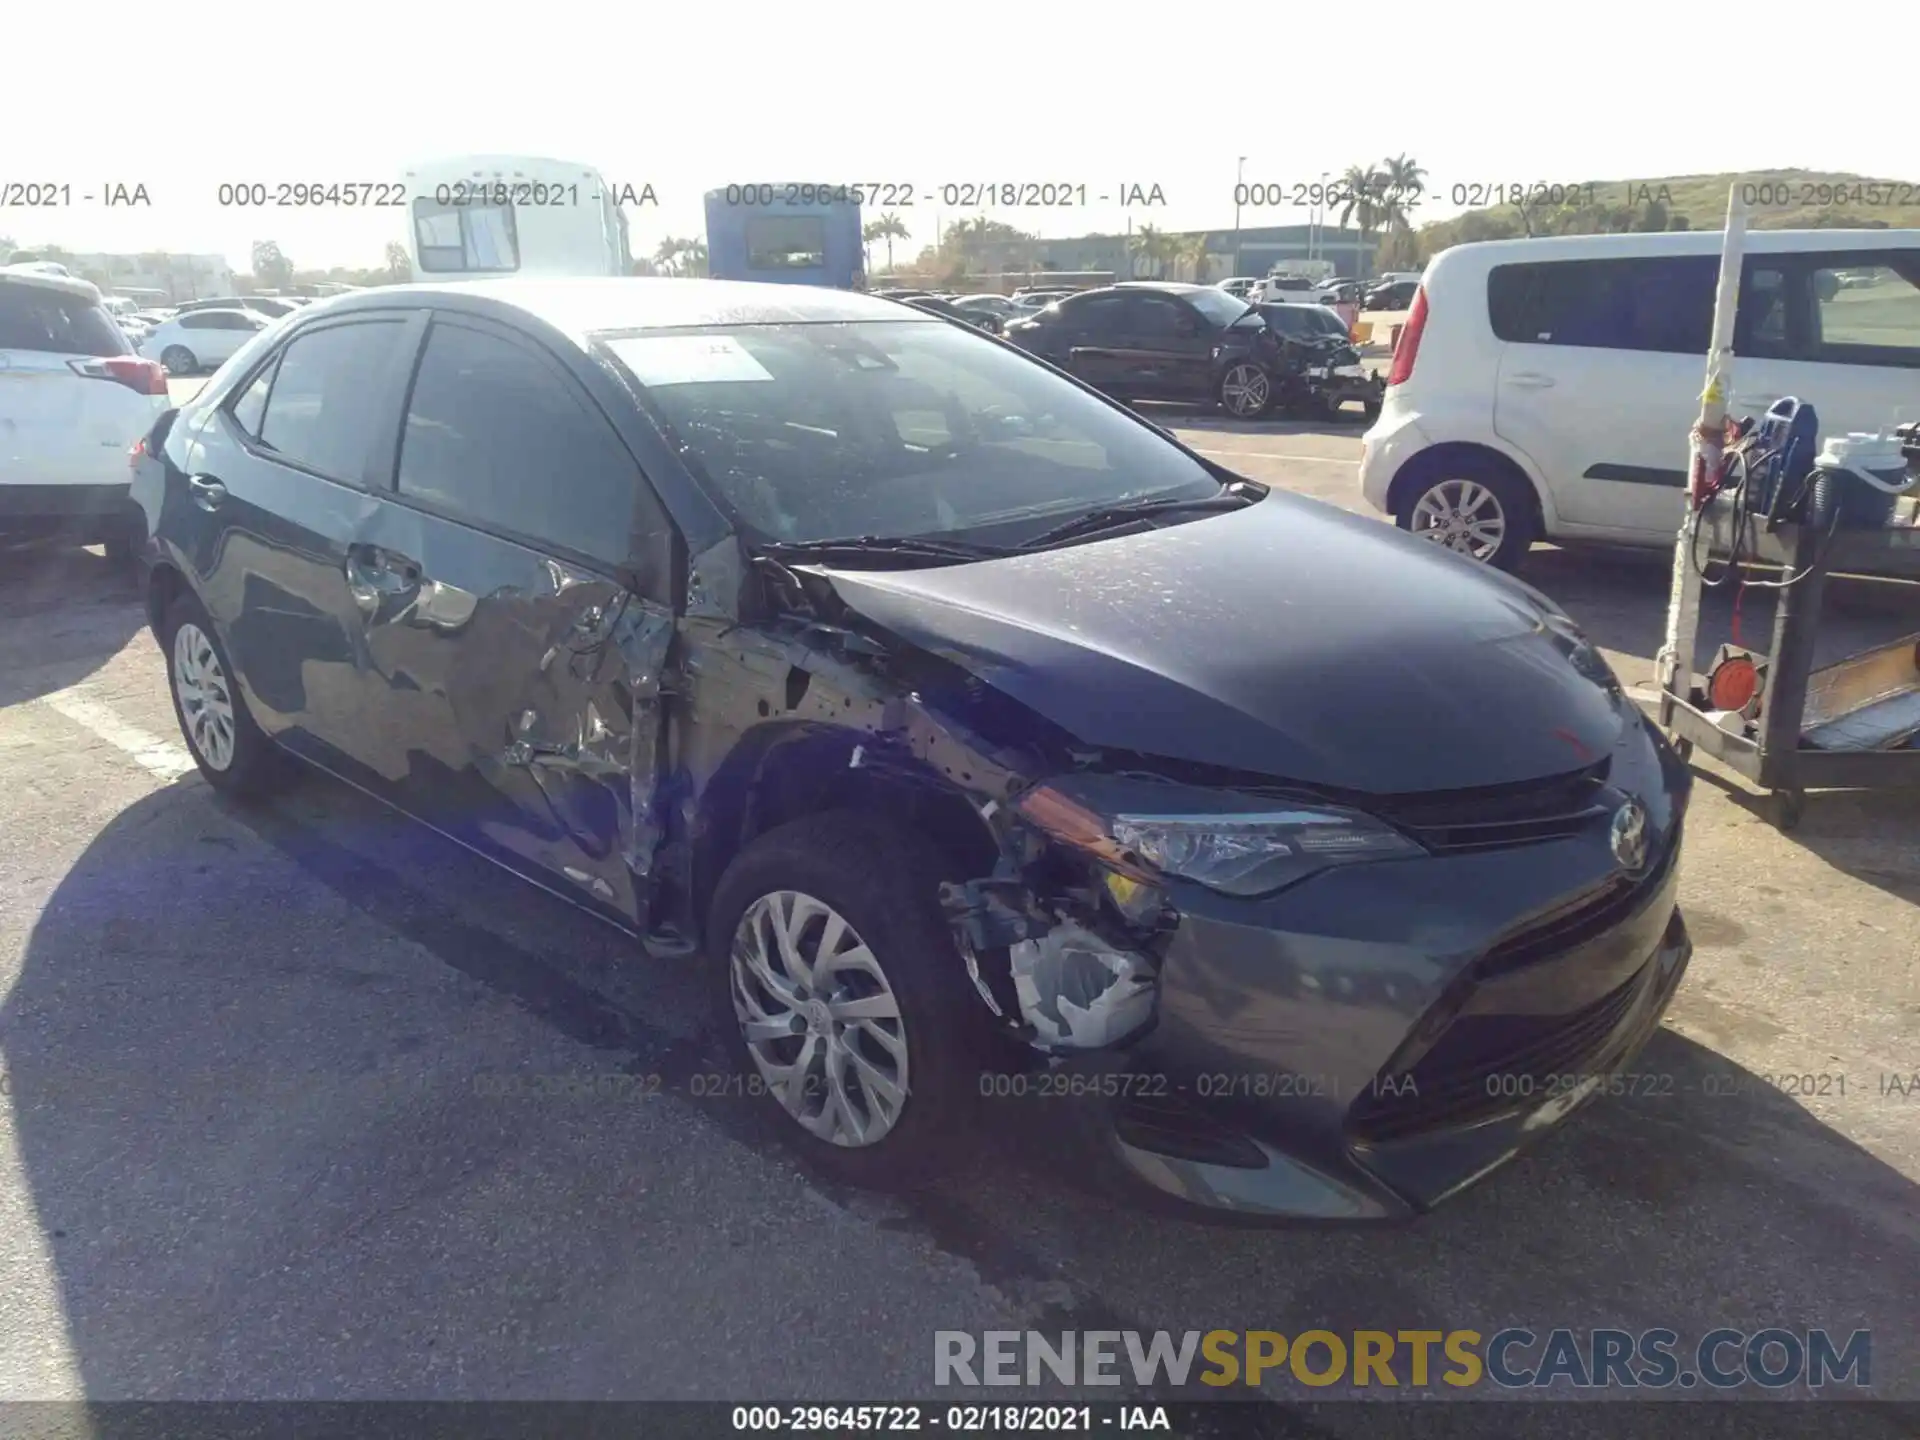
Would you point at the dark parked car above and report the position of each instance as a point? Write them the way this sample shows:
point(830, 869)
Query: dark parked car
point(1160, 342)
point(958, 722)
point(945, 308)
point(1322, 362)
point(1396, 296)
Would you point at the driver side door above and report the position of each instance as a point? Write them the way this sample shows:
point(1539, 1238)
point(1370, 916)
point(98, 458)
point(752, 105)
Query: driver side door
point(1166, 347)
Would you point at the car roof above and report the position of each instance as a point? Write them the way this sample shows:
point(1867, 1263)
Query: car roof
point(583, 306)
point(43, 280)
point(1678, 242)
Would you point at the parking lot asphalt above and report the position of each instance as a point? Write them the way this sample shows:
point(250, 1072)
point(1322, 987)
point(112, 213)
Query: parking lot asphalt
point(254, 1141)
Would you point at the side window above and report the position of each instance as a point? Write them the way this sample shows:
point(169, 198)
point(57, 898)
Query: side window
point(1662, 304)
point(1096, 319)
point(496, 434)
point(1867, 309)
point(250, 407)
point(1762, 327)
point(1151, 319)
point(197, 320)
point(326, 396)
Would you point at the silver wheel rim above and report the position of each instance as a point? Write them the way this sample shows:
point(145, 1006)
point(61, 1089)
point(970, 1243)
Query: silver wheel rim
point(820, 1019)
point(206, 706)
point(1245, 389)
point(1464, 516)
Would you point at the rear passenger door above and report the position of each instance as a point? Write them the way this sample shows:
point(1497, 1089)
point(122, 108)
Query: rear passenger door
point(1599, 379)
point(272, 493)
point(516, 653)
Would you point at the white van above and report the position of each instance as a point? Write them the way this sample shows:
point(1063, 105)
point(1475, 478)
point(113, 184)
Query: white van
point(1544, 389)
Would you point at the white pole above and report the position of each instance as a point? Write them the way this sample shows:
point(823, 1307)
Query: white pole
point(1706, 449)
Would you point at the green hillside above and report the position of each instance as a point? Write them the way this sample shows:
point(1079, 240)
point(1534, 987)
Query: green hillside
point(1777, 200)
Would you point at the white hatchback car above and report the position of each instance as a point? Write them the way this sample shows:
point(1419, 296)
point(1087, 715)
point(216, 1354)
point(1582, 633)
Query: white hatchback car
point(74, 399)
point(202, 339)
point(1544, 389)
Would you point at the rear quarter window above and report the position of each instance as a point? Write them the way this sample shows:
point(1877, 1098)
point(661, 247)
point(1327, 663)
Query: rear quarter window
point(33, 317)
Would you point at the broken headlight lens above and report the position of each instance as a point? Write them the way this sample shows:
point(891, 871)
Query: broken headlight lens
point(1245, 846)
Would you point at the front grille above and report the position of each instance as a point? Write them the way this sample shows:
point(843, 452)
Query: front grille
point(1486, 1065)
point(1495, 817)
point(1166, 1125)
point(1579, 920)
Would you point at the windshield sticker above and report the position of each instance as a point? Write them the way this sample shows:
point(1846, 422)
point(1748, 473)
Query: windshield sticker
point(688, 359)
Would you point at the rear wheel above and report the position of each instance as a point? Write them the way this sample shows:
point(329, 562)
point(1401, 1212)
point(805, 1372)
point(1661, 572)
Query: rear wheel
point(1246, 390)
point(230, 750)
point(846, 999)
point(178, 360)
point(1474, 509)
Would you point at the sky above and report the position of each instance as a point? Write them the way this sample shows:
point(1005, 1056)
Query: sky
point(687, 98)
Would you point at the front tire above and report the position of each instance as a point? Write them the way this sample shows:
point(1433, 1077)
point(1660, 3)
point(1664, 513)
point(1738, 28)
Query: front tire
point(1246, 390)
point(1474, 509)
point(845, 998)
point(230, 750)
point(178, 360)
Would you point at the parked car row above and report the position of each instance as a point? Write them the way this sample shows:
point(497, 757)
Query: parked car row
point(802, 636)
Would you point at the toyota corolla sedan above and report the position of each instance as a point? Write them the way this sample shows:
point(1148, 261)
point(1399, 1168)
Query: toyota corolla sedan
point(963, 726)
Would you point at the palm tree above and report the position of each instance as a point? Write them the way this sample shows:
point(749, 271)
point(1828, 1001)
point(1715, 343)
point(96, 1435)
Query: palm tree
point(888, 227)
point(1193, 254)
point(1362, 190)
point(667, 256)
point(1404, 182)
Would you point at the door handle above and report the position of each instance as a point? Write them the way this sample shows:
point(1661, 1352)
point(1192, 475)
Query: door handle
point(1527, 380)
point(375, 575)
point(208, 493)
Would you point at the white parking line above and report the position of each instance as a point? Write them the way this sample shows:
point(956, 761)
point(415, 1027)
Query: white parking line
point(1274, 455)
point(161, 757)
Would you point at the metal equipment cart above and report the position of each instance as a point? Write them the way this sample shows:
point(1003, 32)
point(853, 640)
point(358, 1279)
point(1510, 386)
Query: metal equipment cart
point(1811, 722)
point(1847, 726)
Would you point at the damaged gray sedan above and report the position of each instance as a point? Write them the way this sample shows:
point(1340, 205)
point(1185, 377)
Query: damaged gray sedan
point(956, 721)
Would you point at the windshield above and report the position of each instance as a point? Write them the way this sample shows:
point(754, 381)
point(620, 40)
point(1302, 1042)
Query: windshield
point(1218, 306)
point(889, 428)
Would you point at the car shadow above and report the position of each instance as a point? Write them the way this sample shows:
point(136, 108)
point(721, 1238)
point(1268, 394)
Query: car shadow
point(66, 602)
point(259, 1164)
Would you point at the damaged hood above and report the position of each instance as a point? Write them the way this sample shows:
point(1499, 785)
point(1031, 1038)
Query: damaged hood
point(1287, 639)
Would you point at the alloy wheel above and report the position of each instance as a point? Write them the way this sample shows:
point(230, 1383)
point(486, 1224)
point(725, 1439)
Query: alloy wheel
point(1464, 516)
point(820, 1020)
point(177, 360)
point(206, 704)
point(1245, 390)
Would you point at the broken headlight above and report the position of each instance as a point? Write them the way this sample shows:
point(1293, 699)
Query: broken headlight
point(1236, 844)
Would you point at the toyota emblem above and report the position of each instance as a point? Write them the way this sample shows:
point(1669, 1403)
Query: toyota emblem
point(1630, 835)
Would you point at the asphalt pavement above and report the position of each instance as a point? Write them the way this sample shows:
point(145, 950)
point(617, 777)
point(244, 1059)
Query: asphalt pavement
point(301, 1102)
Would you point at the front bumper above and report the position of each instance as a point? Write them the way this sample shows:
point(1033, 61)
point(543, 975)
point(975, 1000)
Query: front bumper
point(1331, 385)
point(1371, 1043)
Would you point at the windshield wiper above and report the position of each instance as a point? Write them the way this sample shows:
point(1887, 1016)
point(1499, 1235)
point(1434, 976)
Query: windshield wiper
point(907, 547)
point(1235, 496)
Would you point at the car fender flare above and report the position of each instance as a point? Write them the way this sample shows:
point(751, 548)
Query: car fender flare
point(1442, 445)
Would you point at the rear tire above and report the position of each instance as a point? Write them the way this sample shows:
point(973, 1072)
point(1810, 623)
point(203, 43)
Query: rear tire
point(178, 360)
point(231, 751)
point(1474, 508)
point(847, 889)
